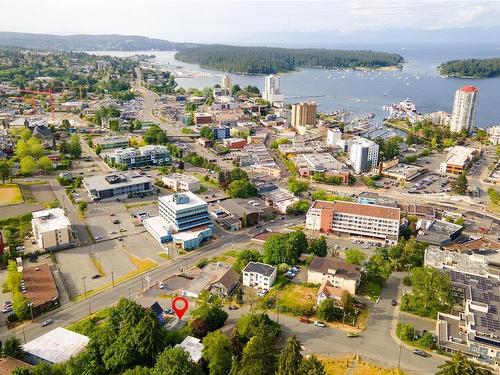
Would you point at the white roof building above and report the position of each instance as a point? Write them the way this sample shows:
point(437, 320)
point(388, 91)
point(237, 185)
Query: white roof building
point(51, 228)
point(193, 347)
point(56, 346)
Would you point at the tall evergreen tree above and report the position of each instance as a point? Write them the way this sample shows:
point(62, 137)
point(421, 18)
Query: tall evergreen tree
point(259, 356)
point(289, 358)
point(312, 366)
point(217, 352)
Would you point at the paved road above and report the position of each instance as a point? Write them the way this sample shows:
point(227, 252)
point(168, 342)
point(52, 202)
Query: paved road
point(375, 344)
point(131, 288)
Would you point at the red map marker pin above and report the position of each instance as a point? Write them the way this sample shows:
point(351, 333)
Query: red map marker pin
point(180, 306)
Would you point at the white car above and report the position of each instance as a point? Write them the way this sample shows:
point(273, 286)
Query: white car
point(319, 324)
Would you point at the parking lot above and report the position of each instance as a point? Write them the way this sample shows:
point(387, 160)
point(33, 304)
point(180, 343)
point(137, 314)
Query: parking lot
point(430, 183)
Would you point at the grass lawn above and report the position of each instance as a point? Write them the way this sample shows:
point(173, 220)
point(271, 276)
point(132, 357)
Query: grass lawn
point(294, 299)
point(97, 318)
point(208, 184)
point(350, 365)
point(10, 194)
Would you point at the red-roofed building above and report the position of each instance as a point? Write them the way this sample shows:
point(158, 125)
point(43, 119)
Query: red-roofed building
point(367, 220)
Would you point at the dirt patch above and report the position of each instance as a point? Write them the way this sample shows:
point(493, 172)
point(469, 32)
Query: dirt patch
point(42, 193)
point(10, 194)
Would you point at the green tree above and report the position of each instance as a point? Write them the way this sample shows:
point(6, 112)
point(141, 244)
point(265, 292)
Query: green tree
point(460, 365)
point(12, 348)
point(289, 358)
point(312, 366)
point(242, 189)
point(249, 325)
point(25, 134)
point(149, 338)
point(298, 208)
point(246, 256)
point(45, 164)
point(431, 293)
point(155, 136)
point(173, 361)
point(318, 247)
point(206, 132)
point(35, 148)
point(297, 186)
point(259, 356)
point(138, 370)
point(208, 314)
point(217, 352)
point(285, 248)
point(354, 256)
point(460, 185)
point(238, 174)
point(328, 311)
point(22, 149)
point(75, 148)
point(98, 149)
point(5, 170)
point(27, 165)
point(65, 124)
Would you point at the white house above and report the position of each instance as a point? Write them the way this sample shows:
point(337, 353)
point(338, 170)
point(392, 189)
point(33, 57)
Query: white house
point(338, 273)
point(260, 275)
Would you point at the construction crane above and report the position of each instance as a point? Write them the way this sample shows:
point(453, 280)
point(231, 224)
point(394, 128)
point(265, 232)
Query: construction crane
point(48, 93)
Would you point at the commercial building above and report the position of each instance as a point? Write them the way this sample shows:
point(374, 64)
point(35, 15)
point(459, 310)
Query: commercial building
point(401, 171)
point(132, 157)
point(303, 115)
point(356, 219)
point(41, 288)
point(473, 327)
point(463, 116)
point(56, 346)
point(202, 118)
point(183, 219)
point(437, 232)
point(324, 163)
point(261, 275)
point(253, 209)
point(119, 185)
point(333, 137)
point(272, 92)
point(363, 155)
point(338, 273)
point(107, 143)
point(51, 228)
point(181, 182)
point(221, 132)
point(234, 143)
point(457, 160)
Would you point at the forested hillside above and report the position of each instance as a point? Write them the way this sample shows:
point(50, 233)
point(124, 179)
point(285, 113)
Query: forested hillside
point(476, 68)
point(267, 60)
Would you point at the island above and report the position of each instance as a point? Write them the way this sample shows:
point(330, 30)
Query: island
point(471, 68)
point(269, 60)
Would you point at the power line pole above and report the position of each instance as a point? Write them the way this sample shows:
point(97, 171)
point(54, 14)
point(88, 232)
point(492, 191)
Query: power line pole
point(84, 286)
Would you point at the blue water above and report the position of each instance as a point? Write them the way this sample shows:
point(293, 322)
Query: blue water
point(362, 92)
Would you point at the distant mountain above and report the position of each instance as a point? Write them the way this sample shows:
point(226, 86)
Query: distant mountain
point(80, 42)
point(398, 36)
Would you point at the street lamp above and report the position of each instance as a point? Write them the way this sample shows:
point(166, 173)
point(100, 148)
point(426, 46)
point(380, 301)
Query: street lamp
point(30, 305)
point(84, 286)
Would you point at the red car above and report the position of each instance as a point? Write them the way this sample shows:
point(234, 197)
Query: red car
point(305, 320)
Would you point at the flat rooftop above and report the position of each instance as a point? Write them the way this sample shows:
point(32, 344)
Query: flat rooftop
point(57, 346)
point(181, 177)
point(108, 140)
point(359, 209)
point(182, 201)
point(50, 220)
point(319, 161)
point(101, 182)
point(408, 171)
point(459, 155)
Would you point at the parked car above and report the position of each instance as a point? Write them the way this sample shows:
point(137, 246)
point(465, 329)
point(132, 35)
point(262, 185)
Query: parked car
point(96, 276)
point(394, 302)
point(303, 319)
point(168, 311)
point(97, 238)
point(47, 322)
point(317, 323)
point(116, 221)
point(161, 285)
point(233, 307)
point(352, 335)
point(420, 353)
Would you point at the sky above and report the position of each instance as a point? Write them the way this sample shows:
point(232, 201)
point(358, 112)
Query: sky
point(210, 21)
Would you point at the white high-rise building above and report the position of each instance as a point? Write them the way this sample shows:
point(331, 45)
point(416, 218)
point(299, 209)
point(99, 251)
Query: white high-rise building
point(334, 137)
point(464, 109)
point(363, 155)
point(226, 83)
point(272, 91)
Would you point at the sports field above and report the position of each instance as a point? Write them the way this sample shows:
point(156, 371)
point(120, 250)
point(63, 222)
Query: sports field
point(10, 194)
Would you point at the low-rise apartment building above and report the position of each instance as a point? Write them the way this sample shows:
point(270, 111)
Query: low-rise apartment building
point(367, 220)
point(181, 182)
point(132, 157)
point(338, 273)
point(261, 275)
point(107, 143)
point(458, 159)
point(118, 185)
point(51, 228)
point(323, 162)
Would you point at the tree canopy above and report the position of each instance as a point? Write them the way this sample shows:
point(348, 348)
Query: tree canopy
point(477, 68)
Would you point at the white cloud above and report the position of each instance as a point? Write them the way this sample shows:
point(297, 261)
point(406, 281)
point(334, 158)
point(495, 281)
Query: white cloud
point(217, 21)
